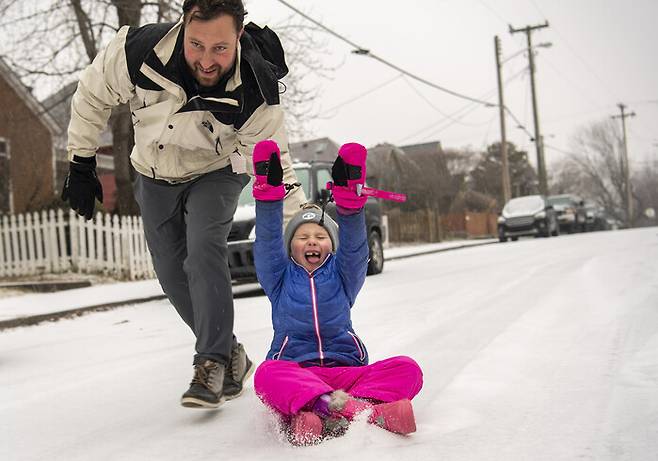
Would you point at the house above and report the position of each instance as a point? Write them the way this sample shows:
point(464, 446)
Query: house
point(27, 154)
point(316, 149)
point(442, 186)
point(390, 168)
point(58, 106)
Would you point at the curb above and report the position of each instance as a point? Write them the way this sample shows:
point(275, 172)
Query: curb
point(79, 311)
point(438, 250)
point(47, 286)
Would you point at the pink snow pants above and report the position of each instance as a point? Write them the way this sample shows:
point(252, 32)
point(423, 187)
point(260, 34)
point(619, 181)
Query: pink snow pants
point(287, 387)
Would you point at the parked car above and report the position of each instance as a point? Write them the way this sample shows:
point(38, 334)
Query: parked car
point(595, 217)
point(530, 215)
point(313, 177)
point(570, 210)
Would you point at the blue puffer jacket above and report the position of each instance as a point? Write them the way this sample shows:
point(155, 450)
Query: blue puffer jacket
point(311, 311)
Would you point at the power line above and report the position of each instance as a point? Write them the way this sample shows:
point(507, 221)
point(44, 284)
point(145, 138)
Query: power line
point(519, 124)
point(432, 134)
point(361, 95)
point(453, 115)
point(431, 104)
point(578, 56)
point(365, 52)
point(562, 151)
point(468, 108)
point(541, 13)
point(494, 12)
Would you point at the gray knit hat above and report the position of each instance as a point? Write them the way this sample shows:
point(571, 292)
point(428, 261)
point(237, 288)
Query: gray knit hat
point(311, 213)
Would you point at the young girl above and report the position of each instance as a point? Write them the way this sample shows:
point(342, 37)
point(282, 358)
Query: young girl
point(317, 374)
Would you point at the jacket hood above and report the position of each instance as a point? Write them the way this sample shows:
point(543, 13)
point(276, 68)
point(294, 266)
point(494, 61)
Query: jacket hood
point(259, 48)
point(262, 50)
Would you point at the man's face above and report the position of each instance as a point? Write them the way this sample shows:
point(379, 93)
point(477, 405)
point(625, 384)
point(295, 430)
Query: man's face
point(310, 245)
point(210, 48)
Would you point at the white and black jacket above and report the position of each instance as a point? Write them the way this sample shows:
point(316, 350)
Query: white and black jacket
point(180, 136)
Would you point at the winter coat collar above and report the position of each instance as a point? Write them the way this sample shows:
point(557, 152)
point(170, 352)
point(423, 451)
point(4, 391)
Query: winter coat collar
point(259, 48)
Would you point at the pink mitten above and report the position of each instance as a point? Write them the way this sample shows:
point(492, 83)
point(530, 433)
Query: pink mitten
point(349, 174)
point(268, 184)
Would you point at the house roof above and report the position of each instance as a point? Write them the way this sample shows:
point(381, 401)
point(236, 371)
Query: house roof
point(412, 149)
point(58, 106)
point(26, 95)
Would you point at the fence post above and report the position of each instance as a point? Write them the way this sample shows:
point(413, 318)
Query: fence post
point(13, 227)
point(93, 245)
point(31, 255)
point(52, 239)
point(23, 261)
point(45, 237)
point(4, 249)
point(107, 236)
point(386, 243)
point(75, 241)
point(64, 263)
point(132, 248)
point(38, 241)
point(125, 246)
point(116, 235)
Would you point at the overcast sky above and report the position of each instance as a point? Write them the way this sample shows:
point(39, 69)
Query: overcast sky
point(603, 52)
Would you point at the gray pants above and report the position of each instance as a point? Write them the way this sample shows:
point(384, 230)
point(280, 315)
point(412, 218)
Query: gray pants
point(186, 227)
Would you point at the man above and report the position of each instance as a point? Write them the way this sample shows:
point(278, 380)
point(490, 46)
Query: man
point(202, 93)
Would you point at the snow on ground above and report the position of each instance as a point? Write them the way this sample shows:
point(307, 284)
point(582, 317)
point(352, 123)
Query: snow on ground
point(542, 349)
point(15, 304)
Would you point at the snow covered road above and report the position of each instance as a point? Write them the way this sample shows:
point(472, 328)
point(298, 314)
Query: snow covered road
point(542, 349)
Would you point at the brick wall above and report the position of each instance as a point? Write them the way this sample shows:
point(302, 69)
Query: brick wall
point(31, 154)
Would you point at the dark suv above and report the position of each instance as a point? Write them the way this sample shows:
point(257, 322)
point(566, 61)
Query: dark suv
point(530, 215)
point(570, 210)
point(313, 177)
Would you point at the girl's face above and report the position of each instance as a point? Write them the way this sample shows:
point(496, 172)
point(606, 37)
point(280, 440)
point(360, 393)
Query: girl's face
point(310, 245)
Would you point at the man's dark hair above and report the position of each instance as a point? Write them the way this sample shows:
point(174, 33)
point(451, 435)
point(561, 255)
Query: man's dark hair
point(207, 10)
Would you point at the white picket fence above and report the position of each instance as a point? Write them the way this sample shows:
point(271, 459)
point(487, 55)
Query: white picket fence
point(52, 242)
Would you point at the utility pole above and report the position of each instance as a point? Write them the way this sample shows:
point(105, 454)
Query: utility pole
point(541, 165)
point(626, 166)
point(507, 189)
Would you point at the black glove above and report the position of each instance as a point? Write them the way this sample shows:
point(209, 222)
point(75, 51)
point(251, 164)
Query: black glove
point(81, 186)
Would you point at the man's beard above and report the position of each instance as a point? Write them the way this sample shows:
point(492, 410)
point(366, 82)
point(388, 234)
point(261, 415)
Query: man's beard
point(207, 80)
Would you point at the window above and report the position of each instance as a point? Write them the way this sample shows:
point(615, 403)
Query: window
point(324, 176)
point(4, 148)
point(6, 196)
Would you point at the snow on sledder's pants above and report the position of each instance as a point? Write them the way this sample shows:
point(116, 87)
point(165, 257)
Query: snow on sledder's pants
point(186, 227)
point(288, 387)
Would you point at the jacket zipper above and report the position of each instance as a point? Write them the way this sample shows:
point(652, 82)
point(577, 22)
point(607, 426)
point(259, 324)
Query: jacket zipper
point(316, 320)
point(357, 342)
point(277, 356)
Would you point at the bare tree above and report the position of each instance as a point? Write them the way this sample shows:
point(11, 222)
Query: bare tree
point(50, 42)
point(646, 194)
point(597, 162)
point(305, 56)
point(460, 162)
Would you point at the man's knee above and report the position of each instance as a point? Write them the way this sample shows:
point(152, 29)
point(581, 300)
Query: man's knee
point(206, 254)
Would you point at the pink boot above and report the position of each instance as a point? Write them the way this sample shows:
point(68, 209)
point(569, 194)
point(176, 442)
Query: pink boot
point(395, 416)
point(305, 428)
